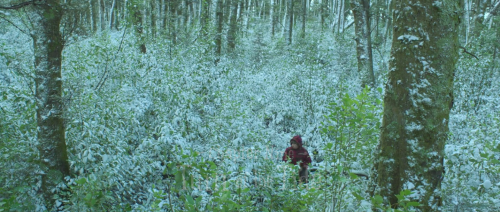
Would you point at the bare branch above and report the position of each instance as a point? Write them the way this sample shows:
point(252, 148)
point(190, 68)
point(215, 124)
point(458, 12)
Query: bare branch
point(465, 50)
point(13, 24)
point(18, 6)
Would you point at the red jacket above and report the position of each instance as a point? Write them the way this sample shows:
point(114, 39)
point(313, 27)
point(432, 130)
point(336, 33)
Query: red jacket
point(296, 155)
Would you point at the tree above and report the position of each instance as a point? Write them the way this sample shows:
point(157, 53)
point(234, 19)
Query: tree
point(304, 19)
point(233, 25)
point(361, 11)
point(136, 7)
point(48, 45)
point(218, 37)
point(205, 17)
point(417, 101)
point(290, 20)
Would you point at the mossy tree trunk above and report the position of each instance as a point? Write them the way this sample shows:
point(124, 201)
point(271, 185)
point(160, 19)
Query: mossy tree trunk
point(290, 22)
point(361, 11)
point(417, 101)
point(136, 8)
point(48, 46)
point(205, 17)
point(218, 37)
point(233, 26)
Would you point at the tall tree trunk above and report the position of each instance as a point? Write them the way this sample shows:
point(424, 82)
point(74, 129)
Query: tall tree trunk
point(290, 22)
point(361, 11)
point(186, 14)
point(102, 14)
point(172, 4)
point(417, 102)
point(153, 18)
point(205, 17)
point(136, 8)
point(218, 38)
point(95, 15)
point(323, 12)
point(165, 15)
point(304, 16)
point(112, 14)
point(273, 18)
point(118, 14)
point(48, 46)
point(231, 34)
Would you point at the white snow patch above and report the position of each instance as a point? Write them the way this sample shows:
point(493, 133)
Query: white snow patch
point(408, 38)
point(413, 127)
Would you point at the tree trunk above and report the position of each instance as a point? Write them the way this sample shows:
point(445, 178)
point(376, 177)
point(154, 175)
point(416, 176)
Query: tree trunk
point(323, 12)
point(205, 17)
point(417, 102)
point(172, 4)
point(102, 14)
point(304, 16)
point(112, 14)
point(361, 11)
point(48, 46)
point(218, 38)
point(273, 18)
point(153, 18)
point(95, 15)
point(231, 34)
point(137, 18)
point(290, 22)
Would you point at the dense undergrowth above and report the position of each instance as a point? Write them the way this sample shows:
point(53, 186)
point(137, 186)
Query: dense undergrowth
point(169, 130)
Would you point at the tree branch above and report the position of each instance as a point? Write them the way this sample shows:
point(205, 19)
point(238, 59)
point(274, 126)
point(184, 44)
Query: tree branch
point(465, 50)
point(18, 6)
point(13, 24)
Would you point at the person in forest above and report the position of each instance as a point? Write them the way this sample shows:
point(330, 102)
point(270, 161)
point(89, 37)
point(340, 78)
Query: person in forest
point(296, 153)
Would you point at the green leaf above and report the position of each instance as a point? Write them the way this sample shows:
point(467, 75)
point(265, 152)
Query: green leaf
point(413, 204)
point(81, 181)
point(178, 179)
point(377, 199)
point(212, 165)
point(329, 145)
point(353, 176)
point(190, 199)
point(198, 200)
point(405, 192)
point(358, 197)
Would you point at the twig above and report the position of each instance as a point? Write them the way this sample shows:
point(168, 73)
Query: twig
point(465, 50)
point(13, 24)
point(18, 6)
point(105, 75)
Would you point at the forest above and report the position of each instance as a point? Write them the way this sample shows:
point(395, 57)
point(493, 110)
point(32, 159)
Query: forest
point(189, 105)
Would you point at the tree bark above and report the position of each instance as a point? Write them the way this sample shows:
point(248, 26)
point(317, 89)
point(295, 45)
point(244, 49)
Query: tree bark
point(205, 17)
point(290, 22)
point(172, 16)
point(218, 37)
point(137, 18)
point(361, 11)
point(233, 25)
point(102, 14)
point(48, 46)
point(304, 16)
point(112, 14)
point(94, 5)
point(153, 18)
point(417, 102)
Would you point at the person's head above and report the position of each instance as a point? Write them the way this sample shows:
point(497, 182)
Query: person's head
point(296, 142)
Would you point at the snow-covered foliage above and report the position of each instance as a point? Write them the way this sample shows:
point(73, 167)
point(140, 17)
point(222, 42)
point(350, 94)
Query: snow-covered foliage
point(169, 130)
point(472, 176)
